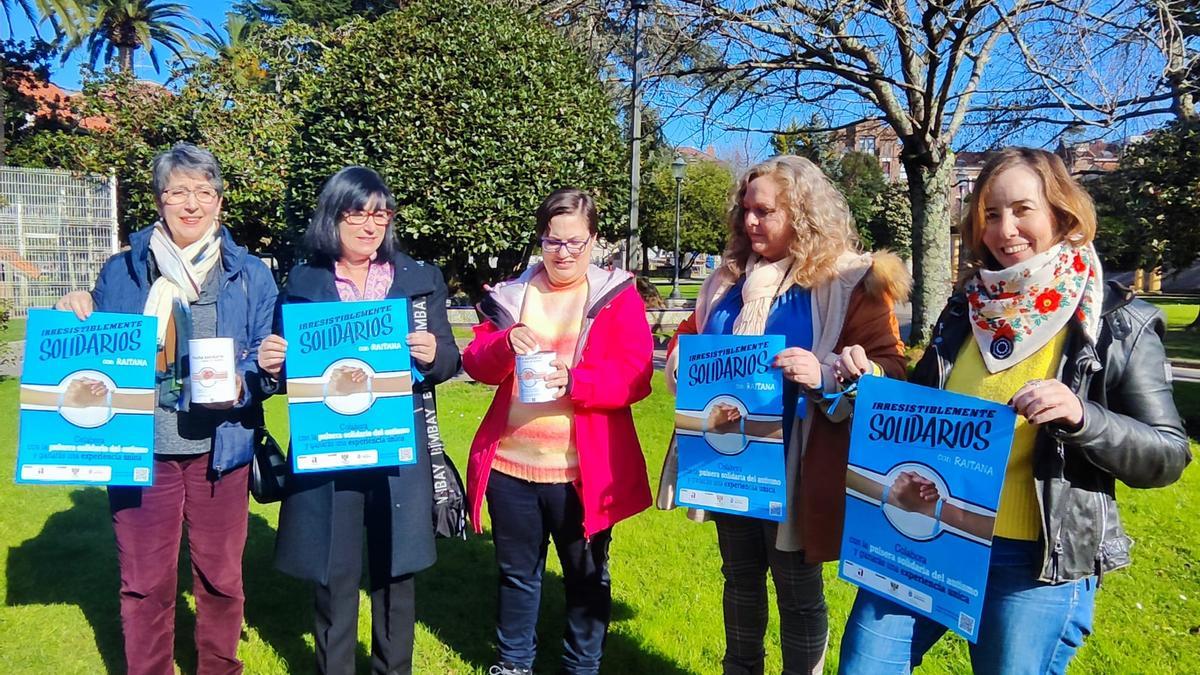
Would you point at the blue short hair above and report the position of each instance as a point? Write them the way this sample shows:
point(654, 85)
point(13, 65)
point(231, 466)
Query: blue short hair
point(350, 189)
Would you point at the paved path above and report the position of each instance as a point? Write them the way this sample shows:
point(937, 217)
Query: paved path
point(10, 359)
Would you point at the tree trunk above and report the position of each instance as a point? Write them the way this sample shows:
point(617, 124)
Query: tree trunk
point(645, 258)
point(929, 191)
point(125, 57)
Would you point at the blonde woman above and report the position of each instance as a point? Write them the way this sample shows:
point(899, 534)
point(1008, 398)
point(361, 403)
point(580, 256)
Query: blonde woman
point(793, 267)
point(1034, 326)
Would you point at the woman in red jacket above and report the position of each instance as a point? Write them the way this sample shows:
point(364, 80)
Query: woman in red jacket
point(571, 467)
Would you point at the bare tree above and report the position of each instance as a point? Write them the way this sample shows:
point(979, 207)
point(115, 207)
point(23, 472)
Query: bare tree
point(930, 70)
point(1173, 27)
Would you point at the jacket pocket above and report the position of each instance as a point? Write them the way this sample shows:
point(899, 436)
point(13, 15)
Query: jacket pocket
point(233, 446)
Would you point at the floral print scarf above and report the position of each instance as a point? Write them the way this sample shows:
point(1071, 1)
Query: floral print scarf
point(1017, 310)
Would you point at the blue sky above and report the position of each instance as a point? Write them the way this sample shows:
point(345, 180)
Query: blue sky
point(66, 75)
point(685, 124)
point(680, 131)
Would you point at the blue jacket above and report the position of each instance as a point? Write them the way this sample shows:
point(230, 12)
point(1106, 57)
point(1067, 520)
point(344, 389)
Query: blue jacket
point(245, 310)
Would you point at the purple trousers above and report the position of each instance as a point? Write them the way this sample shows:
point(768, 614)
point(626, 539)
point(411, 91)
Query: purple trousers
point(148, 523)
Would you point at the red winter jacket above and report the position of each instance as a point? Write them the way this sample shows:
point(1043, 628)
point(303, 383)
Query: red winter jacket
point(611, 371)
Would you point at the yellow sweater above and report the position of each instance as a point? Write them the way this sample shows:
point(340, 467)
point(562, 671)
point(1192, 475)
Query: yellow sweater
point(1018, 516)
point(539, 443)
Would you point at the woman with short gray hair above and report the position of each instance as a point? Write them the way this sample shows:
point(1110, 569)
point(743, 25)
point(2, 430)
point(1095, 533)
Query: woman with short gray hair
point(187, 271)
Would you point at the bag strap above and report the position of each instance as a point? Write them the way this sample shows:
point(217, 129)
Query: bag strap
point(443, 489)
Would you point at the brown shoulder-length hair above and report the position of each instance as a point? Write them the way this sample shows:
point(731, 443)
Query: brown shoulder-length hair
point(818, 214)
point(564, 201)
point(1070, 205)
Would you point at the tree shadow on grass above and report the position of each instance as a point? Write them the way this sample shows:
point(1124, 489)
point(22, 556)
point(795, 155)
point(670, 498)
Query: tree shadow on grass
point(73, 561)
point(278, 607)
point(456, 600)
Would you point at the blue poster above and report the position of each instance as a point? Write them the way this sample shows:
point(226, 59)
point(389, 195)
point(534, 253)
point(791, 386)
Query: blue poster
point(728, 425)
point(922, 487)
point(349, 383)
point(87, 399)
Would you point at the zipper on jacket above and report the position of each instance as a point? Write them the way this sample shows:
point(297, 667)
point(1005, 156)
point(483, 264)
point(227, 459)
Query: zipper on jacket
point(937, 353)
point(1100, 543)
point(1054, 558)
point(1045, 523)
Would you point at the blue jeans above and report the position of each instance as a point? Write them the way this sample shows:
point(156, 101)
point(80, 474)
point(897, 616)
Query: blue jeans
point(1027, 626)
point(525, 516)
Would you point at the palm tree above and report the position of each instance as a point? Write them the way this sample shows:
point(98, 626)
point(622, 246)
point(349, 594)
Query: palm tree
point(119, 28)
point(230, 38)
point(230, 46)
point(23, 5)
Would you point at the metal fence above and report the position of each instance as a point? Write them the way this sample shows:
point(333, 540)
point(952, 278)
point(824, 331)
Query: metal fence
point(56, 230)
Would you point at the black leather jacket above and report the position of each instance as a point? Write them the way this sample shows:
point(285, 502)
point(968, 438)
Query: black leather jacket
point(1131, 430)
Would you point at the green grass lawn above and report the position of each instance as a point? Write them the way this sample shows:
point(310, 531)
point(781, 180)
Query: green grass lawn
point(688, 291)
point(12, 331)
point(1181, 346)
point(59, 582)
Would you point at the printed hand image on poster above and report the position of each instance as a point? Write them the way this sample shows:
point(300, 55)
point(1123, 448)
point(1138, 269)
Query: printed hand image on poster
point(349, 383)
point(728, 425)
point(87, 400)
point(922, 486)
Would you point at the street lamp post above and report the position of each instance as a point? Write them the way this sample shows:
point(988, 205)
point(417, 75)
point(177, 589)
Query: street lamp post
point(633, 246)
point(678, 167)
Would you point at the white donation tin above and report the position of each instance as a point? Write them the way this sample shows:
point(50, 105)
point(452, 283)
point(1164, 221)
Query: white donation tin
point(530, 369)
point(214, 376)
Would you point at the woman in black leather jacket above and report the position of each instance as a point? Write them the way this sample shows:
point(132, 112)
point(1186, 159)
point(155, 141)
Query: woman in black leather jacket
point(1082, 363)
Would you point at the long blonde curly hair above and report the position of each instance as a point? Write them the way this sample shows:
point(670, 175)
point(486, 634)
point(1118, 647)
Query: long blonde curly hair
point(816, 209)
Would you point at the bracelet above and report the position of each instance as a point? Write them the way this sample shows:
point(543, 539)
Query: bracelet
point(937, 515)
point(883, 500)
point(835, 399)
point(742, 428)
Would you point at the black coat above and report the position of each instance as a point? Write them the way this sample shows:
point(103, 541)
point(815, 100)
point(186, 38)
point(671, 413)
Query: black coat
point(302, 546)
point(1131, 430)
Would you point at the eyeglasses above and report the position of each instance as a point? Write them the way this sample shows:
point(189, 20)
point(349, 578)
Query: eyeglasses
point(381, 217)
point(177, 196)
point(573, 246)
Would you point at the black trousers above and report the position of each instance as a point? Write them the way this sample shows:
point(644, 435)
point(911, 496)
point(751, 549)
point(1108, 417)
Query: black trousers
point(525, 516)
point(362, 502)
point(747, 551)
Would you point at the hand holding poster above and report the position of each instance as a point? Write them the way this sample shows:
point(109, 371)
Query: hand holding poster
point(349, 381)
point(728, 425)
point(922, 487)
point(87, 400)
